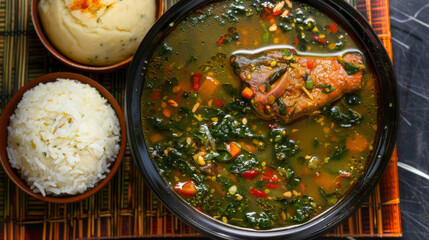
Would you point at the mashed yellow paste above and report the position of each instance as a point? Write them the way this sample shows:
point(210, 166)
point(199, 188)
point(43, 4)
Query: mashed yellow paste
point(96, 32)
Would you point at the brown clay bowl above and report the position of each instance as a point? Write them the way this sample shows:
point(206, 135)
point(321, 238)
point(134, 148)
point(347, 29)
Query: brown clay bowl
point(10, 109)
point(70, 63)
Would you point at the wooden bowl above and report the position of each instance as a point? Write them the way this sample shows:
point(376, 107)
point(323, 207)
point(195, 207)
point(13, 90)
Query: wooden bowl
point(10, 109)
point(70, 63)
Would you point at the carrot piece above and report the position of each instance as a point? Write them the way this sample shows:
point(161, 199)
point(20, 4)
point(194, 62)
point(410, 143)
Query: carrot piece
point(247, 93)
point(166, 112)
point(356, 143)
point(208, 87)
point(186, 189)
point(156, 137)
point(234, 149)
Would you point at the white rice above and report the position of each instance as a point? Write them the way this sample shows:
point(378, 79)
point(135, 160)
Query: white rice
point(63, 137)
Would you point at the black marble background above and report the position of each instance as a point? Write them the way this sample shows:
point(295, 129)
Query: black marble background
point(409, 21)
point(410, 33)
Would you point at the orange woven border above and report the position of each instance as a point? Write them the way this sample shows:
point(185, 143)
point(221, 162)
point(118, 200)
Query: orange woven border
point(126, 207)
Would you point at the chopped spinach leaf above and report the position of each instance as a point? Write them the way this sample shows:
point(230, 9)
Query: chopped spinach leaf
point(327, 88)
point(230, 89)
point(344, 120)
point(165, 49)
point(259, 220)
point(353, 99)
point(339, 152)
point(303, 209)
point(330, 199)
point(351, 68)
point(284, 148)
point(242, 163)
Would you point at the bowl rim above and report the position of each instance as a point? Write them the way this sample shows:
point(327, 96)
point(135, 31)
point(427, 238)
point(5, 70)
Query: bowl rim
point(70, 63)
point(388, 113)
point(10, 109)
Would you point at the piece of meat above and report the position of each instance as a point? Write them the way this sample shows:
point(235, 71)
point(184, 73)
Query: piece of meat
point(209, 169)
point(287, 96)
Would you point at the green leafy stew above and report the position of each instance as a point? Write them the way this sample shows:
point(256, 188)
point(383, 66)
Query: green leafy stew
point(212, 148)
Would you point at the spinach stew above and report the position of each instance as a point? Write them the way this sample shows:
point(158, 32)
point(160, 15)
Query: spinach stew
point(260, 113)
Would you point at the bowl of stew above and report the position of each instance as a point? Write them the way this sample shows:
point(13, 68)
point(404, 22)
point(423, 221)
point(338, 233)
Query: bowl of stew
point(261, 119)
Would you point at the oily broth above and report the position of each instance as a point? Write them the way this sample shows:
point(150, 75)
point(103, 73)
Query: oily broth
point(195, 50)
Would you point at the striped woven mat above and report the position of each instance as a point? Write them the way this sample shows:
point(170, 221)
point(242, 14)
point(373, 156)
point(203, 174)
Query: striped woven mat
point(126, 206)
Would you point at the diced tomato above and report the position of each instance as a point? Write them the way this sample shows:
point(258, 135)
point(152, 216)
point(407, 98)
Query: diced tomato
point(292, 137)
point(196, 81)
point(155, 95)
point(186, 189)
point(258, 193)
point(296, 40)
point(339, 185)
point(333, 27)
point(249, 174)
point(272, 186)
point(273, 125)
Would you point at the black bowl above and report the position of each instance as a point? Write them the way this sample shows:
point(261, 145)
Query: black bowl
point(376, 57)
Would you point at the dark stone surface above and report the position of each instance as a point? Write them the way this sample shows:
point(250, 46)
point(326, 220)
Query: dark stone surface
point(410, 33)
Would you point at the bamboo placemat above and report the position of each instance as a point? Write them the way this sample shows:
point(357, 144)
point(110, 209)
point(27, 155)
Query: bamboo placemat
point(126, 206)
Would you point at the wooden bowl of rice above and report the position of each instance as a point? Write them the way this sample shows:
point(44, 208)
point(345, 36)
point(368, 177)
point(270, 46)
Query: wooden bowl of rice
point(62, 155)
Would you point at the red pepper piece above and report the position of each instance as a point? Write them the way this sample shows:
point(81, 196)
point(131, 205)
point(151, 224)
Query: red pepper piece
point(277, 13)
point(220, 41)
point(333, 27)
point(270, 179)
point(296, 40)
point(273, 125)
point(249, 174)
point(269, 173)
point(258, 193)
point(196, 81)
point(219, 102)
point(321, 40)
point(272, 186)
point(155, 95)
point(309, 64)
point(339, 185)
